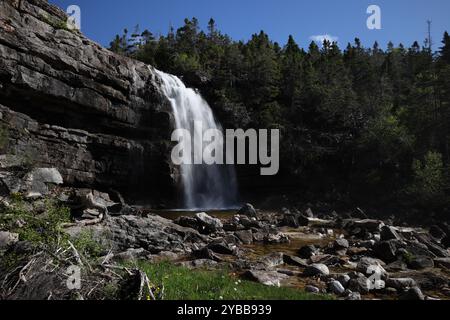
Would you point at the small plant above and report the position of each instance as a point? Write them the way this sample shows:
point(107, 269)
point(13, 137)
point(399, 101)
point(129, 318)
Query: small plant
point(42, 229)
point(87, 245)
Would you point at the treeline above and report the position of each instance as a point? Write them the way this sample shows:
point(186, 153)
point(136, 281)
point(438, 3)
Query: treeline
point(357, 124)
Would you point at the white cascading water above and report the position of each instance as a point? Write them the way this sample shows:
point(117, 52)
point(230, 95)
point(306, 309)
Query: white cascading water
point(204, 186)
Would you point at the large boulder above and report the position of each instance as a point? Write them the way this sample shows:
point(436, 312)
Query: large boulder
point(208, 224)
point(248, 210)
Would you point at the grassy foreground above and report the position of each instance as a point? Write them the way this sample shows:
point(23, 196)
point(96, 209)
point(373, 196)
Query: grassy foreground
point(183, 284)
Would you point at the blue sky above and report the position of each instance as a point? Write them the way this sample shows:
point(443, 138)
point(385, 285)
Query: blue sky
point(402, 20)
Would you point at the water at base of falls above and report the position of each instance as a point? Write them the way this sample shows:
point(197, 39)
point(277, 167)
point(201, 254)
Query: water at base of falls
point(204, 186)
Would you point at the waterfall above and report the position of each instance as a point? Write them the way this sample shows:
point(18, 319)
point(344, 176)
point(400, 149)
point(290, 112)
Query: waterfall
point(204, 186)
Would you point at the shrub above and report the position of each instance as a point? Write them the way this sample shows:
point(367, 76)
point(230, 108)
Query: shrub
point(429, 181)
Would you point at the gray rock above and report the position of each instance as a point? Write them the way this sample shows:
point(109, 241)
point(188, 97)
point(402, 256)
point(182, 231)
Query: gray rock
point(307, 251)
point(344, 279)
point(437, 232)
point(401, 284)
point(208, 223)
point(442, 262)
point(309, 213)
point(272, 260)
point(386, 251)
point(360, 284)
point(389, 233)
point(336, 287)
point(368, 266)
point(413, 294)
point(369, 225)
point(154, 234)
point(37, 181)
point(295, 261)
point(316, 269)
point(420, 262)
point(248, 210)
point(268, 278)
point(340, 244)
point(245, 236)
point(353, 296)
point(7, 239)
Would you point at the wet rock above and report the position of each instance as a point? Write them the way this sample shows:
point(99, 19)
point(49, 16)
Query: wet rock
point(413, 294)
point(389, 233)
point(327, 259)
point(245, 236)
point(268, 278)
point(272, 260)
point(401, 284)
point(420, 262)
point(248, 210)
point(316, 269)
point(276, 238)
point(295, 261)
point(336, 287)
point(7, 239)
point(307, 252)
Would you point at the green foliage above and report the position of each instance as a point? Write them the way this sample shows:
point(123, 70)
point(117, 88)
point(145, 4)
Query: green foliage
point(41, 229)
point(429, 181)
point(87, 245)
point(184, 284)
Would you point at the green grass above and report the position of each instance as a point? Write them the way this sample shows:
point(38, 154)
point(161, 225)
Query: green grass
point(183, 284)
point(44, 228)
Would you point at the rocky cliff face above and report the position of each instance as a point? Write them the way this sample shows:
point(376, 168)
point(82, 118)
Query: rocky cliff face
point(68, 103)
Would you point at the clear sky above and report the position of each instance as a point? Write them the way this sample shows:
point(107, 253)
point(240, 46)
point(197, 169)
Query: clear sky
point(402, 20)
